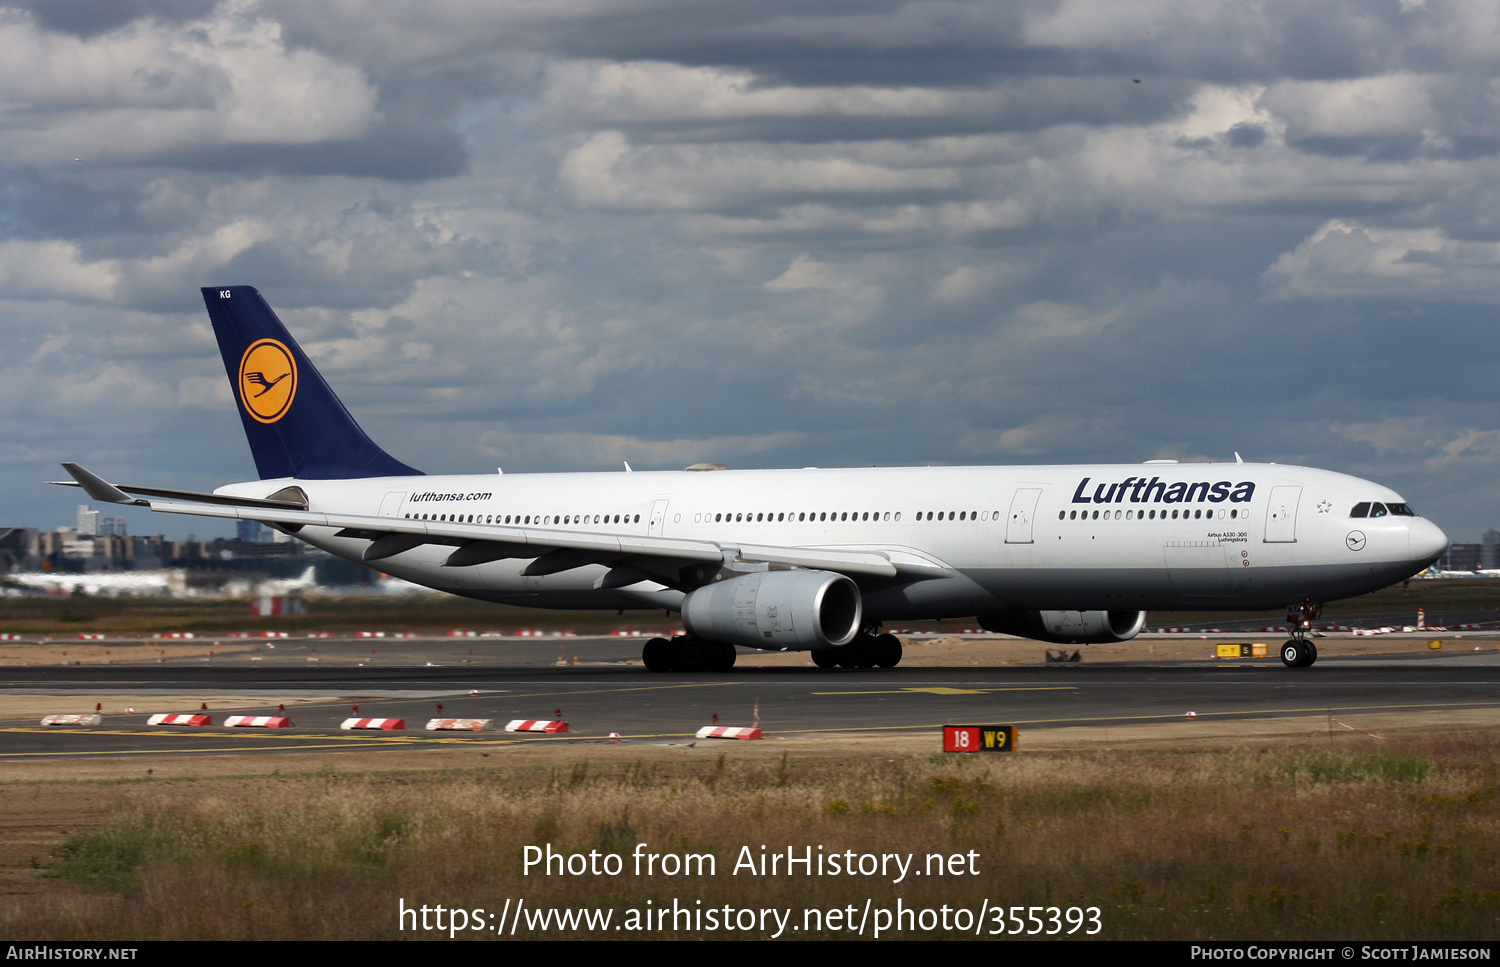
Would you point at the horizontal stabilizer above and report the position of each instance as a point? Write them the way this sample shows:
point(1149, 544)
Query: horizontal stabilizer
point(124, 490)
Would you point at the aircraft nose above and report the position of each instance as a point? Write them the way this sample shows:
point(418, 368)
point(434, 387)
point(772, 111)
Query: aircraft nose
point(1426, 541)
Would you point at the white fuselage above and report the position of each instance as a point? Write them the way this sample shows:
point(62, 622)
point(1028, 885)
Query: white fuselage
point(1110, 537)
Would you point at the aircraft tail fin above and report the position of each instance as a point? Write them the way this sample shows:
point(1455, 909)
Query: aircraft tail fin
point(295, 424)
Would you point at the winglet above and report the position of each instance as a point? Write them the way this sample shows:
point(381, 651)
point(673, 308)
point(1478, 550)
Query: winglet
point(99, 488)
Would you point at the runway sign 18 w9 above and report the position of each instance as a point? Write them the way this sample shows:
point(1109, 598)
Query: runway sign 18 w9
point(979, 738)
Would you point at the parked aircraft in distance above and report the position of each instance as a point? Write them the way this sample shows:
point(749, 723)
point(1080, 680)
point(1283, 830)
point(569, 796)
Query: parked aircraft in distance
point(802, 560)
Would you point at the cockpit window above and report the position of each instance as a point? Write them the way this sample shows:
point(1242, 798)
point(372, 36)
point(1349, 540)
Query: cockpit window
point(1377, 510)
point(1401, 510)
point(1361, 510)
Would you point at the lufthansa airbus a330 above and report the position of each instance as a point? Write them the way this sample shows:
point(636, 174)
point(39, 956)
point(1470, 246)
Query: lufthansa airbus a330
point(802, 560)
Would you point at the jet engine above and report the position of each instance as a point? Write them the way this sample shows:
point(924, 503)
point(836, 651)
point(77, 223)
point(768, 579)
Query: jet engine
point(1067, 627)
point(792, 610)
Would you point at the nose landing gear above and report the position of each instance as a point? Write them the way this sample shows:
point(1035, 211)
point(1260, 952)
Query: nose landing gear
point(1298, 652)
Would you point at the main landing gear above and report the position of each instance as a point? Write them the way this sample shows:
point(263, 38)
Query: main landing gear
point(1298, 652)
point(865, 651)
point(684, 653)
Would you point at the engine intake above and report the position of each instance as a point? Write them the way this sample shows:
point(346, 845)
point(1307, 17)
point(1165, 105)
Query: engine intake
point(1067, 627)
point(792, 610)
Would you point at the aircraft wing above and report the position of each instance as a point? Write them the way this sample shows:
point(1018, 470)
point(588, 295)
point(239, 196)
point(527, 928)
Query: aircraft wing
point(550, 551)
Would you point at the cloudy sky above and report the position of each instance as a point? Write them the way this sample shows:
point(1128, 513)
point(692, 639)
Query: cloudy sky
point(556, 236)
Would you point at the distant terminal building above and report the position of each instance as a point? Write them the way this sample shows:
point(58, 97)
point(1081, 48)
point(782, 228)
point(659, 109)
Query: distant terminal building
point(1461, 557)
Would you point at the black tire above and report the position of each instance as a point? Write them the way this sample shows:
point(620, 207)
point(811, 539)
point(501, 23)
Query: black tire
point(887, 651)
point(826, 658)
point(861, 652)
point(1298, 654)
point(657, 654)
point(688, 654)
point(720, 655)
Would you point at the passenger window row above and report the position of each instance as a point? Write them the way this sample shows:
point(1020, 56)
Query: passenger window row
point(819, 517)
point(564, 520)
point(1197, 513)
point(804, 517)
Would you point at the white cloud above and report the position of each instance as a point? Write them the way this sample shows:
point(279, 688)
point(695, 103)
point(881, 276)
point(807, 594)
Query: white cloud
point(152, 87)
point(1347, 259)
point(54, 270)
point(608, 172)
point(1397, 103)
point(634, 92)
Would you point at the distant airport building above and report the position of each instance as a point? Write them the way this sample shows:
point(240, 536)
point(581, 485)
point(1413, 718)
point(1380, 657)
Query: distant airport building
point(1489, 550)
point(1461, 557)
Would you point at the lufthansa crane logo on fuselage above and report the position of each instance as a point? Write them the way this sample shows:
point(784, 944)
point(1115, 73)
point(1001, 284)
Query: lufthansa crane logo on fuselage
point(268, 380)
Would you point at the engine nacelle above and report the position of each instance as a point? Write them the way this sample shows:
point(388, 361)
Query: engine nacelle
point(1067, 627)
point(794, 610)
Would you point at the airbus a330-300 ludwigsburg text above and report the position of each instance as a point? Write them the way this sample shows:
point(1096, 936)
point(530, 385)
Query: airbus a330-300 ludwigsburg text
point(802, 560)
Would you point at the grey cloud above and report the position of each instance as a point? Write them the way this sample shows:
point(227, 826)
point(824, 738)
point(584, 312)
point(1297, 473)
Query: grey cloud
point(89, 18)
point(839, 235)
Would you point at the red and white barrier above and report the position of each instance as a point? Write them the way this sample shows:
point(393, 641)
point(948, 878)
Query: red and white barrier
point(536, 725)
point(91, 637)
point(370, 634)
point(180, 718)
point(91, 719)
point(457, 725)
point(726, 732)
point(267, 605)
point(389, 725)
point(258, 722)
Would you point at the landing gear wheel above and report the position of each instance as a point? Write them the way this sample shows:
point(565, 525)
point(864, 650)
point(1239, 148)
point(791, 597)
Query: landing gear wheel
point(825, 658)
point(657, 654)
point(720, 655)
point(859, 653)
point(1297, 653)
point(689, 654)
point(887, 650)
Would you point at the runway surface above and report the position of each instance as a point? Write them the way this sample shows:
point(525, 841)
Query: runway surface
point(602, 694)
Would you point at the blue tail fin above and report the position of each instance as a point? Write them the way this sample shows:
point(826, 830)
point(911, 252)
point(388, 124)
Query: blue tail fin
point(296, 426)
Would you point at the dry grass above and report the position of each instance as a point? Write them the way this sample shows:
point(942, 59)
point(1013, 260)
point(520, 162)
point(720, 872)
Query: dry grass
point(1391, 842)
